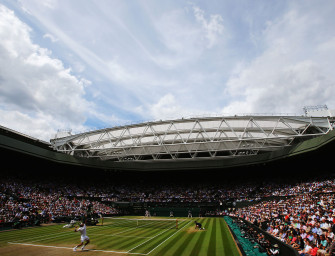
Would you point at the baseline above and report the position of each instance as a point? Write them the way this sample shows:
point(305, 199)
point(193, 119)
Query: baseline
point(71, 248)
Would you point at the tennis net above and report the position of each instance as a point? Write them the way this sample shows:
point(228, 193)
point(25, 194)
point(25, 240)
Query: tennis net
point(141, 223)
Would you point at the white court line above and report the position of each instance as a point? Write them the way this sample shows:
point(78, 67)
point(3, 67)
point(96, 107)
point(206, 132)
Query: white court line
point(156, 236)
point(122, 236)
point(169, 238)
point(70, 248)
point(59, 234)
point(127, 230)
point(51, 236)
point(149, 239)
point(148, 224)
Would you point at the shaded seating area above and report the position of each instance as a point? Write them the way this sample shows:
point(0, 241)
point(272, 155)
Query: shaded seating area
point(244, 239)
point(255, 241)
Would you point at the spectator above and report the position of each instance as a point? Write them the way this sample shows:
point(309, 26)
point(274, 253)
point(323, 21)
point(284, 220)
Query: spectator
point(307, 249)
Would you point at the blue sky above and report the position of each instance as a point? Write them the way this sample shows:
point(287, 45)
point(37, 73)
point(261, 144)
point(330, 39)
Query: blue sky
point(84, 65)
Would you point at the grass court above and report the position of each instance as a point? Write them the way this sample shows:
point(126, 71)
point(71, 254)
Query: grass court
point(126, 236)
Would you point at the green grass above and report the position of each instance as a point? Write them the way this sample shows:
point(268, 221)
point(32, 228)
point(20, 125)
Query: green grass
point(114, 239)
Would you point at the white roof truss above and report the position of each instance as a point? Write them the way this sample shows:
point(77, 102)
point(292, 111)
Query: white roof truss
point(194, 138)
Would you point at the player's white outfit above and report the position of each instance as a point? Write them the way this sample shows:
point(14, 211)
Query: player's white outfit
point(82, 231)
point(83, 237)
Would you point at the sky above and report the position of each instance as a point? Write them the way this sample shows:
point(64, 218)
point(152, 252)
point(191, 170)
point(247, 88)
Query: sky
point(85, 65)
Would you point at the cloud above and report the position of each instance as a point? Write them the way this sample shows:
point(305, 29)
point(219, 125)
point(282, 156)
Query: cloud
point(167, 108)
point(39, 125)
point(51, 4)
point(292, 71)
point(51, 37)
point(186, 37)
point(134, 59)
point(35, 88)
point(162, 60)
point(213, 27)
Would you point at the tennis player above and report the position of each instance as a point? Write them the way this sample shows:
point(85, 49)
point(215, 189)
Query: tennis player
point(198, 225)
point(83, 238)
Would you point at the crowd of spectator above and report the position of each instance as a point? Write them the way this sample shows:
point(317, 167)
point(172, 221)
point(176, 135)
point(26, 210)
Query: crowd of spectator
point(27, 202)
point(305, 221)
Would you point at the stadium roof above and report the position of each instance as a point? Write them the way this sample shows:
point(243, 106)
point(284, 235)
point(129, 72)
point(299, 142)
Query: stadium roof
point(293, 140)
point(194, 138)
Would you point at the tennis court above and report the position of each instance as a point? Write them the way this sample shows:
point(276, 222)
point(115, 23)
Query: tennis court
point(125, 236)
